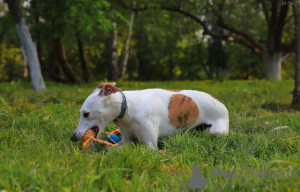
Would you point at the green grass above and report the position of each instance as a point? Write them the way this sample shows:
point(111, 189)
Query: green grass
point(36, 153)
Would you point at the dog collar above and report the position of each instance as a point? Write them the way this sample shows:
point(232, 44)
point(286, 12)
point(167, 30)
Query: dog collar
point(123, 107)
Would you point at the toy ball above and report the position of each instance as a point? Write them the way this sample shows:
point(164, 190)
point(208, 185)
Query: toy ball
point(113, 138)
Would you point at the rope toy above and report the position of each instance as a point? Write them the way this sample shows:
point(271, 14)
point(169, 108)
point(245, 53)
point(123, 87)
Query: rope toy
point(89, 140)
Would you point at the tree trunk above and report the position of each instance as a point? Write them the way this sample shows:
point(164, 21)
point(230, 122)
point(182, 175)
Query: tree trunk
point(53, 75)
point(62, 59)
point(84, 66)
point(296, 93)
point(55, 66)
point(24, 63)
point(125, 51)
point(273, 64)
point(37, 80)
point(200, 56)
point(113, 55)
point(144, 53)
point(170, 67)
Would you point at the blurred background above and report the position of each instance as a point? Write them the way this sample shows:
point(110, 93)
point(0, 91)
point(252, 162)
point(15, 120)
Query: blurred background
point(143, 40)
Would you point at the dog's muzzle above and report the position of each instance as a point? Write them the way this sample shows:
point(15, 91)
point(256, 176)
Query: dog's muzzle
point(74, 137)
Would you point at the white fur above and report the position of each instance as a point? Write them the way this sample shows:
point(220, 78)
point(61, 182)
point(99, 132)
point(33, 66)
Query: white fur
point(146, 115)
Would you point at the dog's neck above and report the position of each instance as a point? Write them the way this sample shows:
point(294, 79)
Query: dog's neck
point(122, 117)
point(123, 106)
point(123, 110)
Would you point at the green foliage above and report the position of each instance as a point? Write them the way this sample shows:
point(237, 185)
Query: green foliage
point(10, 59)
point(243, 65)
point(165, 45)
point(36, 153)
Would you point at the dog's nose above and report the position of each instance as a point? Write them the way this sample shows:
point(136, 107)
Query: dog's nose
point(73, 138)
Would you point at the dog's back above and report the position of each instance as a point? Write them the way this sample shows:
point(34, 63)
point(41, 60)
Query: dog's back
point(179, 109)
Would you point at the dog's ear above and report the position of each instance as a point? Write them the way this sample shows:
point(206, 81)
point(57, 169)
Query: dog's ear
point(108, 89)
point(102, 84)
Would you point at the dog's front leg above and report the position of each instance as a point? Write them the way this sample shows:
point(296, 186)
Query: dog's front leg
point(121, 143)
point(126, 138)
point(148, 136)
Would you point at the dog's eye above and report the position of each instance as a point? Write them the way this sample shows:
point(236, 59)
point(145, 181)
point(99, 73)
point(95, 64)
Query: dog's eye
point(86, 114)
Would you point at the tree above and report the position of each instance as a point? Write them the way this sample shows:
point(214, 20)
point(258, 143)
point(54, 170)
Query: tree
point(37, 80)
point(296, 92)
point(61, 56)
point(222, 19)
point(59, 26)
point(125, 52)
point(69, 36)
point(117, 68)
point(54, 75)
point(87, 75)
point(112, 54)
point(164, 47)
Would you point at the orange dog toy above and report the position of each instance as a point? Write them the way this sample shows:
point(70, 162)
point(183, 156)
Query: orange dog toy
point(89, 140)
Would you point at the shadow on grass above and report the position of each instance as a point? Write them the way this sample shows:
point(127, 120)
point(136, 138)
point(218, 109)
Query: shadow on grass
point(277, 107)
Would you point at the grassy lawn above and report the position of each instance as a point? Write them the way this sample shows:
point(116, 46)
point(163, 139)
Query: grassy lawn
point(36, 153)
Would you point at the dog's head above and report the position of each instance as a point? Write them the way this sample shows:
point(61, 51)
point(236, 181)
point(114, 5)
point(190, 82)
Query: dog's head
point(97, 111)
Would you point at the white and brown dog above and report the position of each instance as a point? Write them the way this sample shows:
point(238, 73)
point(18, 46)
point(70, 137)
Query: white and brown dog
point(150, 114)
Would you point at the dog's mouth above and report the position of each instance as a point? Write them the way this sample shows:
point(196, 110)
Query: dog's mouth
point(95, 129)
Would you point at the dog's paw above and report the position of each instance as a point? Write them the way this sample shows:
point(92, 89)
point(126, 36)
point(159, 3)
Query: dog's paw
point(151, 146)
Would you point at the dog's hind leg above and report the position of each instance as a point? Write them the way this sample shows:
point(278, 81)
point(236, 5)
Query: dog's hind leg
point(202, 127)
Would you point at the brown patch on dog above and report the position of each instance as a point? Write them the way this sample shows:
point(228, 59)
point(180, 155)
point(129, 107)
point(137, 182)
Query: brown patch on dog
point(215, 98)
point(172, 90)
point(183, 111)
point(102, 85)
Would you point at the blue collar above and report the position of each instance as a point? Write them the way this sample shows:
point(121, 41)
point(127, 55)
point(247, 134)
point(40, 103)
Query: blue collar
point(123, 107)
